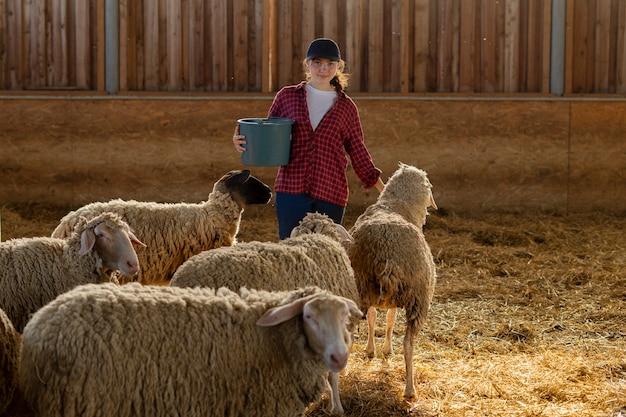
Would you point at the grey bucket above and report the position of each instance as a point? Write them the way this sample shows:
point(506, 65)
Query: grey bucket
point(268, 140)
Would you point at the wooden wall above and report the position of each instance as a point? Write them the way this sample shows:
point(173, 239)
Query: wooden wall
point(482, 154)
point(399, 46)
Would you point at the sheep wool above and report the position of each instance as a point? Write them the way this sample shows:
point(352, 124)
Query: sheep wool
point(309, 258)
point(393, 264)
point(173, 232)
point(195, 352)
point(34, 271)
point(312, 256)
point(9, 356)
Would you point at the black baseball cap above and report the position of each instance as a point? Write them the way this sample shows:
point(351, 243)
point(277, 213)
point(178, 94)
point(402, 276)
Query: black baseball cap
point(324, 48)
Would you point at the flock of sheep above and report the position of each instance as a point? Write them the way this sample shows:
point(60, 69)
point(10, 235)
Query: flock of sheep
point(211, 326)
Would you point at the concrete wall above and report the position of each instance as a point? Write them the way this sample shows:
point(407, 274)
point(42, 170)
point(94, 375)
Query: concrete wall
point(482, 154)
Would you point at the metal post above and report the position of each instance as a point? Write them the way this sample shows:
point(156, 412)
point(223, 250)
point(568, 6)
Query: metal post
point(112, 46)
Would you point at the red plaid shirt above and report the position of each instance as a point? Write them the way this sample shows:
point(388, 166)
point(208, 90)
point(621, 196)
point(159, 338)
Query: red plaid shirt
point(317, 160)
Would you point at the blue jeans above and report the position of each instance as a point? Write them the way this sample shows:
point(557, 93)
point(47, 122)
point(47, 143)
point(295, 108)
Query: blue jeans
point(291, 208)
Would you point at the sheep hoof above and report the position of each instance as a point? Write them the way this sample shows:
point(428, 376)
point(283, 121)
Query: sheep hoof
point(409, 393)
point(387, 350)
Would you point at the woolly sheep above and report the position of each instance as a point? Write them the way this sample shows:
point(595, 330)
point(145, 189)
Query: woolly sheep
point(9, 356)
point(195, 351)
point(393, 264)
point(33, 271)
point(313, 256)
point(174, 232)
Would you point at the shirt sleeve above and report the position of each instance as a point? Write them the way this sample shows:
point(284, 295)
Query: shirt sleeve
point(360, 157)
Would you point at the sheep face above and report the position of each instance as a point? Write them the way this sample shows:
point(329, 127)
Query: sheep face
point(325, 319)
point(325, 327)
point(244, 188)
point(113, 242)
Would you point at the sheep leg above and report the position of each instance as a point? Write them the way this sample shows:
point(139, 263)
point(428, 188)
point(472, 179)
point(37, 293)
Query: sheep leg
point(409, 337)
point(334, 408)
point(390, 320)
point(370, 349)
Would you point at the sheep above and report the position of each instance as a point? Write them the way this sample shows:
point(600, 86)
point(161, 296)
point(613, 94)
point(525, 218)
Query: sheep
point(195, 351)
point(9, 355)
point(34, 270)
point(176, 231)
point(313, 255)
point(393, 264)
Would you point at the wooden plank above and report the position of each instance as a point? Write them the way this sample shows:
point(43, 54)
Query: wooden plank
point(173, 45)
point(330, 26)
point(533, 81)
point(613, 36)
point(284, 49)
point(151, 45)
point(38, 45)
point(590, 44)
point(6, 34)
point(468, 39)
point(185, 41)
point(375, 47)
point(488, 47)
point(602, 47)
point(443, 45)
point(256, 47)
point(11, 60)
point(57, 41)
point(393, 73)
point(406, 46)
point(241, 29)
point(100, 46)
point(353, 54)
point(298, 44)
point(219, 45)
point(269, 35)
point(620, 70)
point(161, 44)
point(71, 43)
point(196, 41)
point(83, 45)
point(23, 43)
point(511, 46)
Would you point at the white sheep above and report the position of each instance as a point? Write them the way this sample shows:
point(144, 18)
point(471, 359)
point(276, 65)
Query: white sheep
point(9, 357)
point(312, 256)
point(393, 264)
point(174, 232)
point(33, 271)
point(133, 350)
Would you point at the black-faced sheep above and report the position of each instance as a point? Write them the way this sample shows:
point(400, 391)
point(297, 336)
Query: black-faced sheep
point(174, 232)
point(393, 264)
point(313, 256)
point(9, 357)
point(33, 271)
point(195, 351)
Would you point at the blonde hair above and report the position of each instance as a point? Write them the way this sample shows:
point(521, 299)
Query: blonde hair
point(339, 81)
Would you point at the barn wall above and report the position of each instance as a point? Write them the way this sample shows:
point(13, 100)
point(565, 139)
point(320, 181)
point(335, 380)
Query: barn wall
point(482, 154)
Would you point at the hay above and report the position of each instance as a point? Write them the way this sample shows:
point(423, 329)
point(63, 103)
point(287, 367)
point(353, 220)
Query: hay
point(527, 320)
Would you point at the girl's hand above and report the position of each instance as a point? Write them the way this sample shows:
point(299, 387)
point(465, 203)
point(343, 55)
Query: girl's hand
point(238, 141)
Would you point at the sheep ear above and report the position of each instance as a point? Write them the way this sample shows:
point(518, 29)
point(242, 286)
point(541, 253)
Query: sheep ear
point(432, 201)
point(354, 309)
point(87, 240)
point(280, 314)
point(135, 241)
point(344, 234)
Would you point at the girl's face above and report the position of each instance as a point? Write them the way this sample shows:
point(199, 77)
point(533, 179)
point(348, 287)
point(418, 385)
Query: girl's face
point(322, 70)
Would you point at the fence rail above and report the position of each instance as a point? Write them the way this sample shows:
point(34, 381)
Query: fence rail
point(394, 46)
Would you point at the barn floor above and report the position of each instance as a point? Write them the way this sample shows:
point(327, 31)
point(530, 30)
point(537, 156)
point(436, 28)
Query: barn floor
point(528, 317)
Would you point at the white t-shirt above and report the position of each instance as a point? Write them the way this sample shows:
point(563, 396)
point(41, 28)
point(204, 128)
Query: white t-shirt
point(319, 102)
